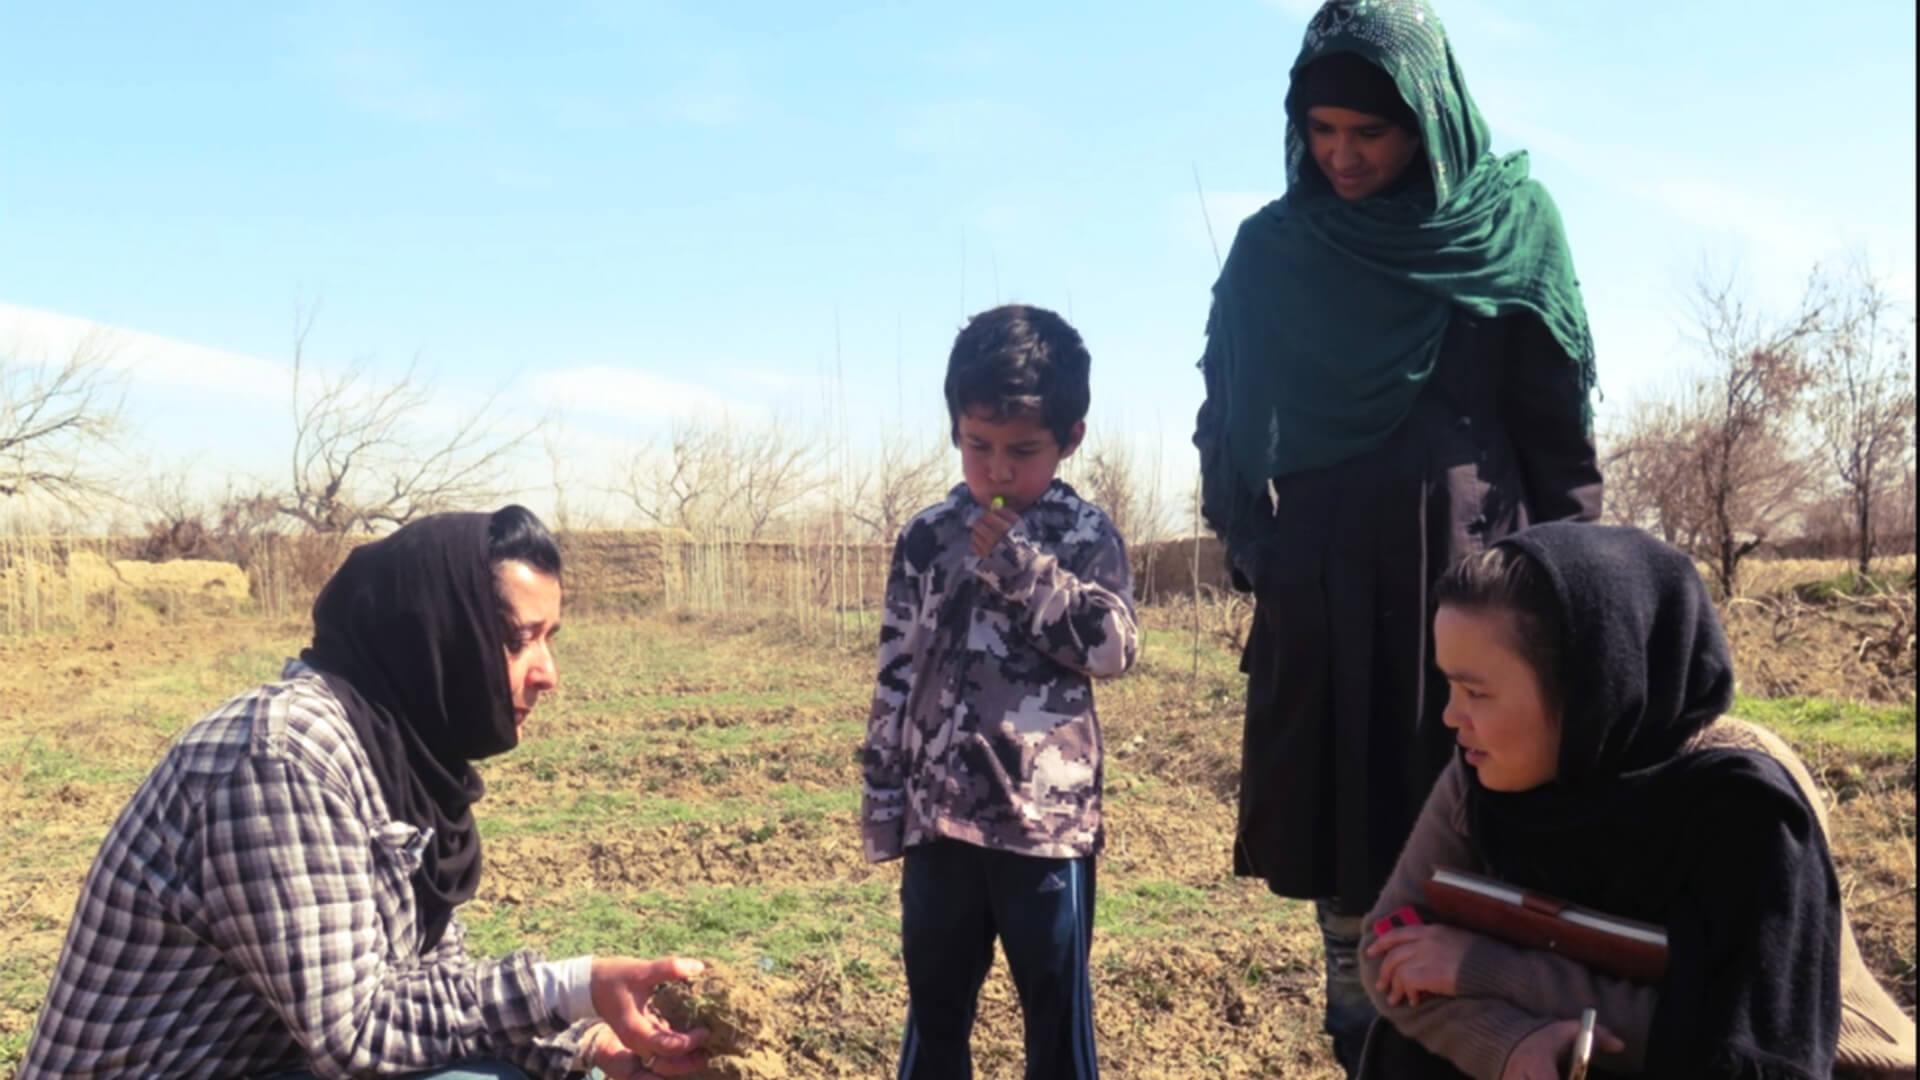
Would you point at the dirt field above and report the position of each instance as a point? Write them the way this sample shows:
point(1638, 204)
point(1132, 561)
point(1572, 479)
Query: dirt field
point(693, 788)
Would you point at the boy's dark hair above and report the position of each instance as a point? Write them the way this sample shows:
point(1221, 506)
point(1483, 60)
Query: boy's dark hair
point(1018, 359)
point(1507, 579)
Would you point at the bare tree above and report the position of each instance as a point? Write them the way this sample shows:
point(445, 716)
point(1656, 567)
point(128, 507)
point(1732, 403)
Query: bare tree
point(1129, 489)
point(1897, 517)
point(1862, 406)
point(1651, 481)
point(557, 468)
point(682, 488)
point(1118, 482)
point(176, 522)
point(771, 472)
point(714, 476)
point(902, 480)
point(362, 459)
point(56, 421)
point(244, 517)
point(1736, 423)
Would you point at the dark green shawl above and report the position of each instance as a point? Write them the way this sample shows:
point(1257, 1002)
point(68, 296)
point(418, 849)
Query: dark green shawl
point(1328, 315)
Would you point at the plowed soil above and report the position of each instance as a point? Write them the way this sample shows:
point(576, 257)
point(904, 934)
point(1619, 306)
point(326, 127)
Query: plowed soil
point(693, 788)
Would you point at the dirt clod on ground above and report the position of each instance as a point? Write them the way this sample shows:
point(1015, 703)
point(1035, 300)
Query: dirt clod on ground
point(734, 1011)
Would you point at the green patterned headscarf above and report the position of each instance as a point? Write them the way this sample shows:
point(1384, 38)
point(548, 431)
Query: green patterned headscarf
point(1328, 315)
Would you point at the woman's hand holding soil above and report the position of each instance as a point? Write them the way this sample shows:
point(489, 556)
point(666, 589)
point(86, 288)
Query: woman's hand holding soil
point(622, 989)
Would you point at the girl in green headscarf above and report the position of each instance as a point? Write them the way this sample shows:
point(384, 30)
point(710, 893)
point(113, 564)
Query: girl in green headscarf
point(1397, 371)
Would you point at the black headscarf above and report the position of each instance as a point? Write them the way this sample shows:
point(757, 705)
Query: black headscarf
point(1717, 845)
point(1348, 81)
point(408, 634)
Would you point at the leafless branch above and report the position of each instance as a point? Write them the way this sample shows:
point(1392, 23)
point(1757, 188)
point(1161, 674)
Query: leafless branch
point(364, 455)
point(56, 422)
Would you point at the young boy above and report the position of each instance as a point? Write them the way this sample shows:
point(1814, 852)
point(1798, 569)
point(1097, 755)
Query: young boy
point(982, 761)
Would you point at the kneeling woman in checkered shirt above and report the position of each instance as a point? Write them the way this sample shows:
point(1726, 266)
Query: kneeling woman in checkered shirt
point(280, 895)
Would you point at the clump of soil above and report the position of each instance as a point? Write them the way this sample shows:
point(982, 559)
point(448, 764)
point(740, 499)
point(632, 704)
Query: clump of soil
point(734, 1011)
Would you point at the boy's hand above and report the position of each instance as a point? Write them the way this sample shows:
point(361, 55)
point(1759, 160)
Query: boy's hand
point(991, 526)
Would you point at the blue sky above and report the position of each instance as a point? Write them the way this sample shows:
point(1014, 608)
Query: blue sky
point(628, 212)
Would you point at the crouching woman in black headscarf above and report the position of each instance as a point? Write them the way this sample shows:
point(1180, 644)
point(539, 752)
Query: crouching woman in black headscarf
point(1589, 682)
point(280, 894)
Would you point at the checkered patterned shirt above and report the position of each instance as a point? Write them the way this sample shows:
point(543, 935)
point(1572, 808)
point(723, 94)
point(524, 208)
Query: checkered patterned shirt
point(251, 913)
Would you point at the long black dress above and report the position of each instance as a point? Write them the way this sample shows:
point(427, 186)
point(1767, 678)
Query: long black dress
point(1343, 734)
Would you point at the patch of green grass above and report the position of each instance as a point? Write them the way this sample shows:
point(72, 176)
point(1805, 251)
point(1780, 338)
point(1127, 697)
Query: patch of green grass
point(1883, 732)
point(1169, 650)
point(1125, 786)
point(743, 736)
point(45, 767)
point(621, 756)
point(601, 657)
point(549, 757)
point(1854, 583)
point(736, 924)
point(785, 802)
point(13, 1049)
point(22, 982)
point(47, 840)
point(1156, 908)
point(589, 811)
point(169, 697)
point(254, 665)
point(696, 709)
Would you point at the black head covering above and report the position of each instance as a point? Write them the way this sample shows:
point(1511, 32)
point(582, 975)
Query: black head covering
point(408, 635)
point(1348, 81)
point(1717, 845)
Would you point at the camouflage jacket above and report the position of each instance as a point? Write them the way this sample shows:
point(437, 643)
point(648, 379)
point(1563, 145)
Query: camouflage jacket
point(983, 727)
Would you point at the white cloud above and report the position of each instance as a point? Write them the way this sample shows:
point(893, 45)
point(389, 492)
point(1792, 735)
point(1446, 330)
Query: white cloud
point(1771, 238)
point(1772, 241)
point(785, 383)
point(33, 334)
point(623, 393)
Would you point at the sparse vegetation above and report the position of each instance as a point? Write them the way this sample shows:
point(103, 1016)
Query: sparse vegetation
point(692, 788)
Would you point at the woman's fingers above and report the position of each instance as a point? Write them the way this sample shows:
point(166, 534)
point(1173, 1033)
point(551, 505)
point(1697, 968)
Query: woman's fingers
point(1398, 937)
point(677, 1065)
point(1396, 961)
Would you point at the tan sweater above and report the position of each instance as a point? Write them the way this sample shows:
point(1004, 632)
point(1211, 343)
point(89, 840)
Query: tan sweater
point(1507, 993)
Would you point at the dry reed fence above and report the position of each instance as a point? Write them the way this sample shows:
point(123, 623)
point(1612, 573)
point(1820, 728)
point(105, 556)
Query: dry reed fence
point(67, 583)
point(823, 584)
point(826, 587)
point(38, 589)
